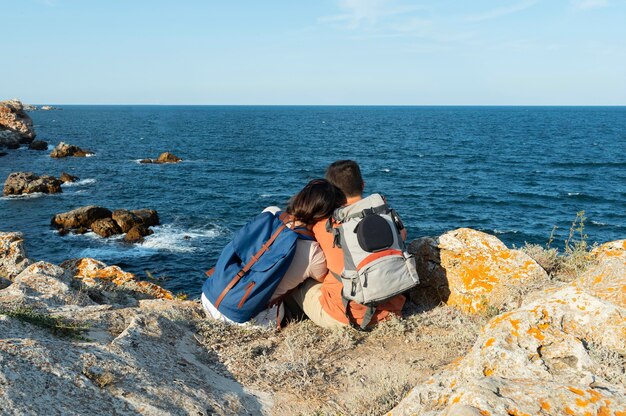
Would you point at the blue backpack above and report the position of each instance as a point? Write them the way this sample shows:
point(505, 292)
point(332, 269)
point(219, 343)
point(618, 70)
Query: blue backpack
point(252, 265)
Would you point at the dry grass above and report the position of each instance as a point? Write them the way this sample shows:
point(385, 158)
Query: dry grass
point(311, 370)
point(575, 259)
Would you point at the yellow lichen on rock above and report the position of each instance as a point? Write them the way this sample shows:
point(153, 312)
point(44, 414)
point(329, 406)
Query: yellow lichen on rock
point(90, 271)
point(480, 271)
point(607, 278)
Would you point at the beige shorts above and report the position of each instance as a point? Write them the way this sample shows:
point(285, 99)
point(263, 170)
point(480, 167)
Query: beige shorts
point(307, 297)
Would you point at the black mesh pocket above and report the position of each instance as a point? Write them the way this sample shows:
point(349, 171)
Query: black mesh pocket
point(374, 233)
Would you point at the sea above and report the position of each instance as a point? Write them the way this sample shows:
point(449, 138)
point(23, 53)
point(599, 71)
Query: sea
point(514, 172)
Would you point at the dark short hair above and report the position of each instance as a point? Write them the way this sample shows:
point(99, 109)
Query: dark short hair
point(316, 201)
point(346, 175)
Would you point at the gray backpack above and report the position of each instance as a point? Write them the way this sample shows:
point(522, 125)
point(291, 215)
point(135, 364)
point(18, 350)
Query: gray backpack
point(377, 266)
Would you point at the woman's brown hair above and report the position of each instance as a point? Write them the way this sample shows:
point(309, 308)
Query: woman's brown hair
point(316, 201)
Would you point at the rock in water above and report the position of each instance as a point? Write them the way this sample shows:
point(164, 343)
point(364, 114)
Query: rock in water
point(473, 271)
point(66, 177)
point(16, 127)
point(13, 258)
point(105, 227)
point(3, 154)
point(38, 145)
point(137, 233)
point(80, 217)
point(126, 219)
point(149, 217)
point(65, 150)
point(166, 157)
point(19, 183)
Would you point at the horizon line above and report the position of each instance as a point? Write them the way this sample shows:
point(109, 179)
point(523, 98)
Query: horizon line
point(323, 105)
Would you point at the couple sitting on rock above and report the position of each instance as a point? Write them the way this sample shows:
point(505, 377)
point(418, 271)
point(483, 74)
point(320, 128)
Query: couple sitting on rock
point(334, 256)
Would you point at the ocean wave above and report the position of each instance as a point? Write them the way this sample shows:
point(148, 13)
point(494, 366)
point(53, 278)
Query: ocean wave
point(179, 240)
point(598, 223)
point(496, 231)
point(574, 193)
point(385, 170)
point(25, 196)
point(166, 238)
point(81, 182)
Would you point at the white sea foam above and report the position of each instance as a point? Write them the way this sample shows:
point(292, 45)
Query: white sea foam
point(573, 193)
point(90, 155)
point(598, 223)
point(24, 196)
point(496, 231)
point(179, 240)
point(81, 182)
point(385, 170)
point(50, 147)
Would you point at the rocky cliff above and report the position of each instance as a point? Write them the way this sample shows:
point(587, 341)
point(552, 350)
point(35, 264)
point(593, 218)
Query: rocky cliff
point(16, 126)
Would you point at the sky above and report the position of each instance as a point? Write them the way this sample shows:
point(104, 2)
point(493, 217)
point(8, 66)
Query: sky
point(323, 52)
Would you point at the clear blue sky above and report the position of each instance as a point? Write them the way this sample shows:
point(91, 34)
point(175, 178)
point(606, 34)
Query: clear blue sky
point(563, 52)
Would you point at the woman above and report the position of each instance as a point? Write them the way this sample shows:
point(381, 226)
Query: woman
point(317, 200)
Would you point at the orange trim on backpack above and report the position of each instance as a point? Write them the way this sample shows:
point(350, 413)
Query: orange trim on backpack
point(376, 256)
point(210, 272)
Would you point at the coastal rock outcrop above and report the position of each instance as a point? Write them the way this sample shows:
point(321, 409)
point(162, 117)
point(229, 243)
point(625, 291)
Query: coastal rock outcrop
point(73, 341)
point(38, 145)
point(135, 223)
point(105, 227)
point(166, 157)
point(80, 217)
point(606, 278)
point(67, 178)
point(472, 271)
point(562, 354)
point(13, 258)
point(19, 183)
point(16, 126)
point(137, 233)
point(66, 150)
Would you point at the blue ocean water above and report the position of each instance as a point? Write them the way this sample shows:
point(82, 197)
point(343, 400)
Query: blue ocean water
point(511, 171)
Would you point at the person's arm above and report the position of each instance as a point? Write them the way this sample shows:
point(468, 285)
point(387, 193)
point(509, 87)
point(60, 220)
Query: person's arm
point(317, 267)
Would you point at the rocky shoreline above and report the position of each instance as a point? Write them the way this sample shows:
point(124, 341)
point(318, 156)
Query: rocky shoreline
point(550, 347)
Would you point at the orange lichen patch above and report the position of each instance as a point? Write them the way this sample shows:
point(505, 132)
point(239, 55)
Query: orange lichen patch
point(569, 411)
point(484, 413)
point(581, 402)
point(618, 413)
point(545, 405)
point(488, 371)
point(595, 396)
point(89, 269)
point(515, 412)
point(457, 398)
point(489, 342)
point(604, 411)
point(515, 325)
point(156, 290)
point(576, 391)
point(535, 332)
point(453, 383)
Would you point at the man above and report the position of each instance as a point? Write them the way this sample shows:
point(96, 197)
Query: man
point(321, 300)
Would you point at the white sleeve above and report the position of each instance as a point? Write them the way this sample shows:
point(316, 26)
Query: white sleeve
point(317, 263)
point(272, 209)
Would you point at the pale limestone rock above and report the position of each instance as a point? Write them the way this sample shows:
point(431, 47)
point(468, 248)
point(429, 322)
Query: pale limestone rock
point(142, 359)
point(473, 271)
point(533, 360)
point(15, 125)
point(13, 258)
point(607, 278)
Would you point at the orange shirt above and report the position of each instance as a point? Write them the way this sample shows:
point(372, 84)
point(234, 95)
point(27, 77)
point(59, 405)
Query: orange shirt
point(331, 287)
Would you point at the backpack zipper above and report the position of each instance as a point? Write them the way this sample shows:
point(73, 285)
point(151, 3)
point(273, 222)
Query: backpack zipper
point(249, 288)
